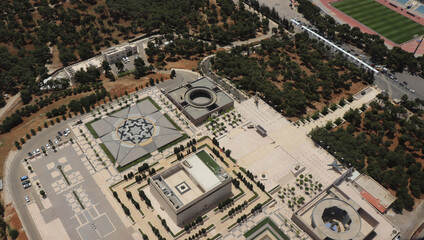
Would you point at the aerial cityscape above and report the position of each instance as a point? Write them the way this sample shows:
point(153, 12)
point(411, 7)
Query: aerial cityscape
point(212, 119)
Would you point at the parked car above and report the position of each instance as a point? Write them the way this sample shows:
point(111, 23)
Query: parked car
point(23, 178)
point(56, 141)
point(34, 153)
point(47, 146)
point(38, 151)
point(43, 148)
point(412, 90)
point(27, 185)
point(401, 84)
point(58, 138)
point(30, 154)
point(27, 199)
point(67, 130)
point(405, 83)
point(25, 182)
point(60, 133)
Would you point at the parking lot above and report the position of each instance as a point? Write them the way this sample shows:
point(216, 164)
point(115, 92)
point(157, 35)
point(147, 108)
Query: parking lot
point(73, 197)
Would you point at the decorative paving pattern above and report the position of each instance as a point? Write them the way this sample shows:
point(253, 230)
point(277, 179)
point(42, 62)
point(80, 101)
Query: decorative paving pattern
point(134, 131)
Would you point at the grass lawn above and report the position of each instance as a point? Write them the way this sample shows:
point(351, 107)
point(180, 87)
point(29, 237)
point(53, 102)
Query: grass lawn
point(270, 224)
point(133, 163)
point(91, 129)
point(381, 19)
point(208, 161)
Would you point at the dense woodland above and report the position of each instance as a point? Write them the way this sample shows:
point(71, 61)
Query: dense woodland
point(81, 28)
point(291, 75)
point(383, 143)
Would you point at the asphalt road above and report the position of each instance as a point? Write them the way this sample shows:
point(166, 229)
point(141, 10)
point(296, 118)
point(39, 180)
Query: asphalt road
point(205, 67)
point(16, 170)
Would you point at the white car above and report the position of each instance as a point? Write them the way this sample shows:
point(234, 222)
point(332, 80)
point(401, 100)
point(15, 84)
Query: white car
point(67, 130)
point(56, 141)
point(27, 199)
point(47, 146)
point(38, 151)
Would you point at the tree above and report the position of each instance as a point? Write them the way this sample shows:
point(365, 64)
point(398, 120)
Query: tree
point(26, 95)
point(119, 65)
point(106, 66)
point(17, 144)
point(13, 233)
point(43, 193)
point(173, 73)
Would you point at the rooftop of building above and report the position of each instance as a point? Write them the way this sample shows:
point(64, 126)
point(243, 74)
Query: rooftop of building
point(190, 178)
point(199, 97)
point(378, 192)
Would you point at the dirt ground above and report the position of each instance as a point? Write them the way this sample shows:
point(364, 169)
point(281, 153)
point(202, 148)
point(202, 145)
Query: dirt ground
point(56, 63)
point(11, 217)
point(183, 63)
point(129, 83)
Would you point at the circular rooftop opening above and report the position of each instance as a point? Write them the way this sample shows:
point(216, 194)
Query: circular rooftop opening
point(200, 97)
point(336, 219)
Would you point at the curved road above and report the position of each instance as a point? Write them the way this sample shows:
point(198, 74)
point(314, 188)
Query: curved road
point(15, 170)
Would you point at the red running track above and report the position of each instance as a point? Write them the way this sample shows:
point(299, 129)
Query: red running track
point(407, 46)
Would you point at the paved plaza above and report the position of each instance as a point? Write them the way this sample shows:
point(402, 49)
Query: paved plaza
point(74, 205)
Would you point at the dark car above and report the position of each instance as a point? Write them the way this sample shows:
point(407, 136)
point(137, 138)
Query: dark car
point(30, 154)
point(50, 142)
point(60, 133)
point(401, 84)
point(43, 149)
point(405, 83)
point(58, 138)
point(25, 182)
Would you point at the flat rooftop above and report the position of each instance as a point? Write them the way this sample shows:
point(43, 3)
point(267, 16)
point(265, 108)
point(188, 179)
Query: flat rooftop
point(204, 174)
point(183, 177)
point(375, 190)
point(179, 95)
point(189, 179)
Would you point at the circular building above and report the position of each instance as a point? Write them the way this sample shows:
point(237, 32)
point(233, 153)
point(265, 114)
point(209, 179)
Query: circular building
point(336, 219)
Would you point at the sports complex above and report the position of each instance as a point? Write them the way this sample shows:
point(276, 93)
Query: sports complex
point(388, 23)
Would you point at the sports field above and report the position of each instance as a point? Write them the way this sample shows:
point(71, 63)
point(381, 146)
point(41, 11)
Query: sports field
point(381, 19)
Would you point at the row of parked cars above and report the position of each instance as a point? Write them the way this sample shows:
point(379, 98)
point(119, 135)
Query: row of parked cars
point(402, 84)
point(50, 143)
point(26, 183)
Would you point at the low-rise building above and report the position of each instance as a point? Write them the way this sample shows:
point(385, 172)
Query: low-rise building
point(115, 54)
point(191, 187)
point(199, 99)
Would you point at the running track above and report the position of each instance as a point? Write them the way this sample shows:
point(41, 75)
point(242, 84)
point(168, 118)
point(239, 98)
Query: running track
point(407, 46)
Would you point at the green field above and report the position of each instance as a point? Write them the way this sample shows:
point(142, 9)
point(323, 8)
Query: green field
point(208, 161)
point(381, 19)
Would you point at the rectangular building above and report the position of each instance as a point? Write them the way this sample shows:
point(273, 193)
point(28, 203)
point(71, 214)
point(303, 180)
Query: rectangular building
point(115, 54)
point(191, 187)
